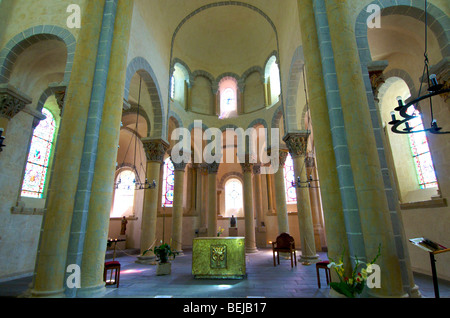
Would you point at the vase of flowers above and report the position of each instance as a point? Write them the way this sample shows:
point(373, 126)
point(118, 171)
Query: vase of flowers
point(353, 285)
point(220, 231)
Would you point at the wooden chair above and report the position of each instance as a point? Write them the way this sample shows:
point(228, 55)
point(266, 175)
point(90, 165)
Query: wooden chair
point(284, 244)
point(324, 265)
point(111, 267)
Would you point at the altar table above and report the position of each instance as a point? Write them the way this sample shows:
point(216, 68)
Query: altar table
point(218, 258)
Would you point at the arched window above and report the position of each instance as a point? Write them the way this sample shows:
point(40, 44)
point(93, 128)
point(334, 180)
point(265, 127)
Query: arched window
point(168, 183)
point(172, 87)
point(36, 170)
point(233, 198)
point(228, 97)
point(124, 194)
point(289, 177)
point(273, 81)
point(421, 153)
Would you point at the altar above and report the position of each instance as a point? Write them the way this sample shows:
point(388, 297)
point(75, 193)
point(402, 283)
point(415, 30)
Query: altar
point(218, 258)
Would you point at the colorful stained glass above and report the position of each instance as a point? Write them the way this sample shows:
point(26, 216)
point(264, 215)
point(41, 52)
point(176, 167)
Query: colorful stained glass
point(38, 158)
point(289, 176)
point(168, 183)
point(421, 153)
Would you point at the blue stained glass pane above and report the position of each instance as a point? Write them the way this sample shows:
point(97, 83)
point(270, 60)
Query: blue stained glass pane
point(168, 183)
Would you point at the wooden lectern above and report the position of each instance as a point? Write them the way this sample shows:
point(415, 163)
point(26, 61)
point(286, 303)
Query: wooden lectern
point(433, 248)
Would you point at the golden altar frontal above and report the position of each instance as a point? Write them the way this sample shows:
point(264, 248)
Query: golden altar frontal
point(218, 258)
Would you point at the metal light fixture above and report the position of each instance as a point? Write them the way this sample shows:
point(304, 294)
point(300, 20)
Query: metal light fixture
point(434, 88)
point(305, 184)
point(138, 185)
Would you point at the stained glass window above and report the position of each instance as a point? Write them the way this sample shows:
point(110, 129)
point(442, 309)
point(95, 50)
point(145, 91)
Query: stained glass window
point(233, 198)
point(36, 170)
point(421, 153)
point(172, 87)
point(289, 176)
point(124, 194)
point(168, 183)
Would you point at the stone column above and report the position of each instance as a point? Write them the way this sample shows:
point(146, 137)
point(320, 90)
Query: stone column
point(177, 210)
point(51, 260)
point(365, 164)
point(213, 168)
point(155, 150)
point(100, 199)
point(316, 206)
point(270, 206)
point(257, 194)
point(326, 161)
point(280, 194)
point(250, 237)
point(297, 144)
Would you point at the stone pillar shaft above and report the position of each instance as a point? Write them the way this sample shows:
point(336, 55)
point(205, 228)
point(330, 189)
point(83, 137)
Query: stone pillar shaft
point(297, 144)
point(177, 210)
point(51, 259)
point(368, 181)
point(250, 237)
point(280, 195)
point(103, 180)
point(326, 161)
point(154, 150)
point(212, 199)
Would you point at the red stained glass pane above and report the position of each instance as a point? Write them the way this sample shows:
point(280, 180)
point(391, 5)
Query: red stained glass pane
point(168, 183)
point(289, 176)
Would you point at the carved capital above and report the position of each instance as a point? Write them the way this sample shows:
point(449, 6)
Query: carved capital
point(12, 101)
point(247, 167)
point(213, 167)
point(257, 168)
point(376, 69)
point(180, 166)
point(155, 149)
point(297, 143)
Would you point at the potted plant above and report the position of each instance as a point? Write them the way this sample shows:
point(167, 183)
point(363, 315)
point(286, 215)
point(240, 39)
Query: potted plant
point(162, 253)
point(353, 285)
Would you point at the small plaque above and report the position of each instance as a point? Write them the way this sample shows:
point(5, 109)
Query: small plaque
point(218, 256)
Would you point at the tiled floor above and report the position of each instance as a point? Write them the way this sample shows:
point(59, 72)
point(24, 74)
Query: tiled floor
point(263, 280)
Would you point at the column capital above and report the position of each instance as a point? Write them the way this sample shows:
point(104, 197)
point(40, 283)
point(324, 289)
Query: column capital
point(212, 167)
point(376, 69)
point(155, 149)
point(257, 168)
point(247, 167)
point(181, 166)
point(12, 101)
point(297, 143)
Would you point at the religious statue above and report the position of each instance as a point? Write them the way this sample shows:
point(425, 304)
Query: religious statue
point(123, 228)
point(233, 221)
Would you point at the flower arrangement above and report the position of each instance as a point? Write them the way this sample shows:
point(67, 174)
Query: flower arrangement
point(352, 285)
point(220, 231)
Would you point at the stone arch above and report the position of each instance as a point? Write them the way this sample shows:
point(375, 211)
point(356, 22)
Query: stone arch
point(24, 39)
point(230, 175)
point(438, 22)
point(134, 110)
point(393, 73)
point(176, 118)
point(142, 67)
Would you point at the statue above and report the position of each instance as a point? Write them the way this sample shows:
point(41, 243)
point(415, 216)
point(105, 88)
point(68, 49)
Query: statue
point(233, 221)
point(123, 228)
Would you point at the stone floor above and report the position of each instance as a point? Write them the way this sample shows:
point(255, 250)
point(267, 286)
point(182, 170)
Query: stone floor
point(263, 280)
